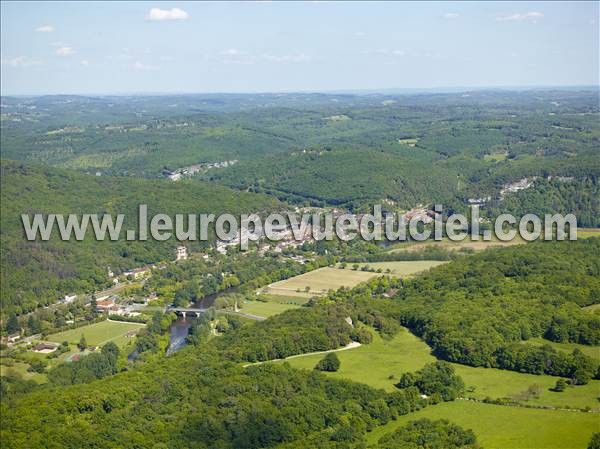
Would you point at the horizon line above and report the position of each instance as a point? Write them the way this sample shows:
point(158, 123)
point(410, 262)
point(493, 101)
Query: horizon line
point(351, 91)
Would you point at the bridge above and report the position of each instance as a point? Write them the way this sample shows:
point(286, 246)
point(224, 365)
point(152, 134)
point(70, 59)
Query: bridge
point(196, 312)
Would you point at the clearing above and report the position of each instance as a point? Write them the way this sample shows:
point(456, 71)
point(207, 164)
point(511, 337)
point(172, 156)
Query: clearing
point(98, 334)
point(402, 268)
point(265, 308)
point(319, 282)
point(500, 427)
point(374, 363)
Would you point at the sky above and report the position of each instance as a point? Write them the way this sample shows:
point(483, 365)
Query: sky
point(184, 47)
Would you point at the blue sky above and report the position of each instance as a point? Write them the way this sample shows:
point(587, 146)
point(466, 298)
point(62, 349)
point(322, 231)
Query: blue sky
point(126, 47)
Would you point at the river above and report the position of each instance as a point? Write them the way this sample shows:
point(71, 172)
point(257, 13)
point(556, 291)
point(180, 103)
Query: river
point(179, 331)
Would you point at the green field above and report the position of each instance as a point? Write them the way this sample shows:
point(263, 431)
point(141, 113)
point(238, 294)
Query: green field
point(592, 351)
point(281, 299)
point(584, 233)
point(592, 308)
point(499, 427)
point(496, 157)
point(373, 364)
point(97, 334)
point(319, 281)
point(403, 268)
point(265, 309)
point(20, 369)
point(456, 245)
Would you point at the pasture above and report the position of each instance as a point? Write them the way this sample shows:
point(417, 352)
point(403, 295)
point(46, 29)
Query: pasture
point(19, 369)
point(450, 245)
point(98, 334)
point(501, 427)
point(592, 351)
point(374, 363)
point(317, 282)
point(403, 268)
point(265, 308)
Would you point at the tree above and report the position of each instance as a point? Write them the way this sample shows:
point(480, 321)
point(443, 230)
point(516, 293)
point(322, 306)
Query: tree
point(534, 391)
point(561, 385)
point(93, 306)
point(329, 363)
point(12, 325)
point(111, 349)
point(37, 366)
point(34, 324)
point(595, 441)
point(82, 343)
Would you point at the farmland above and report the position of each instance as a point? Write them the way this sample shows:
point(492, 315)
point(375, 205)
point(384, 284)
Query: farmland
point(265, 308)
point(404, 268)
point(98, 334)
point(499, 427)
point(318, 282)
point(374, 363)
point(451, 245)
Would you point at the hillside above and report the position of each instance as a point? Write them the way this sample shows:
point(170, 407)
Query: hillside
point(201, 398)
point(346, 150)
point(37, 273)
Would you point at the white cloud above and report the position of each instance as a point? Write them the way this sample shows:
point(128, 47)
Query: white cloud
point(84, 62)
point(385, 51)
point(45, 29)
point(157, 14)
point(286, 58)
point(141, 66)
point(20, 61)
point(232, 52)
point(519, 17)
point(451, 15)
point(64, 51)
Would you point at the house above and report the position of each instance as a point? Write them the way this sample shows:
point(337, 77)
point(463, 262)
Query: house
point(69, 298)
point(45, 348)
point(106, 306)
point(137, 273)
point(12, 338)
point(182, 253)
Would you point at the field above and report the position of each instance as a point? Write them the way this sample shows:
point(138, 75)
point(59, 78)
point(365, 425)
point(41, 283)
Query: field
point(404, 268)
point(265, 309)
point(97, 334)
point(499, 427)
point(319, 282)
point(373, 364)
point(20, 369)
point(498, 156)
point(294, 300)
point(455, 245)
point(592, 351)
point(584, 233)
point(592, 308)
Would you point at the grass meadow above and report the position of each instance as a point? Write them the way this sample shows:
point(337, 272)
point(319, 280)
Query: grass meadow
point(98, 334)
point(319, 282)
point(501, 427)
point(402, 268)
point(375, 363)
point(266, 308)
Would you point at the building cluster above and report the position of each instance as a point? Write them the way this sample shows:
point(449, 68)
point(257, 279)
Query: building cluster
point(521, 184)
point(192, 170)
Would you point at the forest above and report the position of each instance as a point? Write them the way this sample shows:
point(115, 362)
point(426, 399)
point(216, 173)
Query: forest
point(523, 310)
point(39, 272)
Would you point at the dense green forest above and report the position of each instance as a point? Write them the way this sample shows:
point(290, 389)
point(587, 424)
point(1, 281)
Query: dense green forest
point(39, 272)
point(204, 397)
point(482, 309)
point(319, 149)
point(578, 197)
